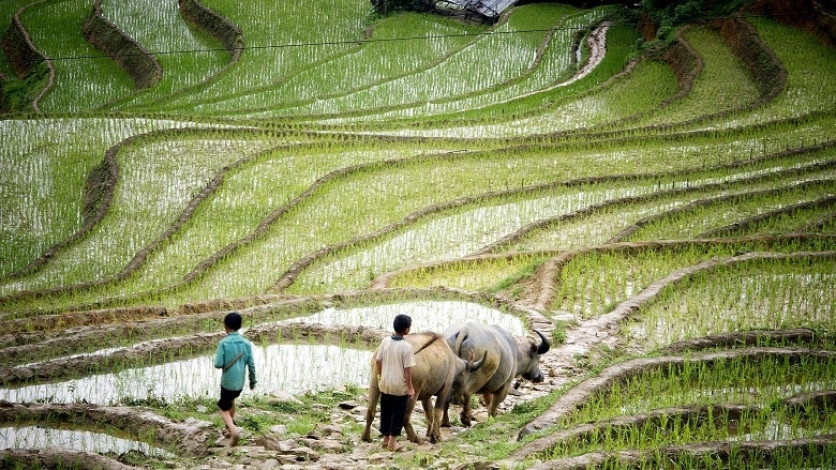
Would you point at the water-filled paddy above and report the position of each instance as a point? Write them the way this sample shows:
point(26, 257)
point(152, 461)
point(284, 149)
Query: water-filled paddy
point(289, 368)
point(37, 437)
point(427, 315)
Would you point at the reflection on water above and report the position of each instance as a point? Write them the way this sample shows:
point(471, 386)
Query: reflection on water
point(290, 368)
point(426, 316)
point(35, 437)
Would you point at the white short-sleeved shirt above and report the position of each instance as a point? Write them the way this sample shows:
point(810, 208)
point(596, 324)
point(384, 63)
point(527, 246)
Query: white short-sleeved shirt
point(395, 355)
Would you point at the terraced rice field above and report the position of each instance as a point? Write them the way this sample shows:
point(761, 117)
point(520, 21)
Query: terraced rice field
point(667, 218)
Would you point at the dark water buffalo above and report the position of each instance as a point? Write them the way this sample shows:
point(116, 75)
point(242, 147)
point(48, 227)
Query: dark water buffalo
point(437, 370)
point(504, 359)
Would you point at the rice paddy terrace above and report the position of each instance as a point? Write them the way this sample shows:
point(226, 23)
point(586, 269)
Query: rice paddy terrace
point(664, 209)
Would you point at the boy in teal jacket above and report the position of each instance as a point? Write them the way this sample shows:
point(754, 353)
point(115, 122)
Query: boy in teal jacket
point(234, 356)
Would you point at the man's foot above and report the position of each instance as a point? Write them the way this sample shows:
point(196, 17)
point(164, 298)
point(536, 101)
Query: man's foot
point(393, 447)
point(234, 437)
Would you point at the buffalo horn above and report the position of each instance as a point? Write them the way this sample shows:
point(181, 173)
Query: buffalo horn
point(544, 345)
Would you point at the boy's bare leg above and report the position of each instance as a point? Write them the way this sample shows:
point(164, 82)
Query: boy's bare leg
point(230, 425)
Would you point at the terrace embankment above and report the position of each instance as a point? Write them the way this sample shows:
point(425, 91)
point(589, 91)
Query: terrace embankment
point(216, 25)
point(142, 66)
point(584, 391)
point(686, 64)
point(191, 437)
point(183, 347)
point(25, 58)
point(718, 415)
point(808, 15)
point(719, 450)
point(770, 75)
point(55, 457)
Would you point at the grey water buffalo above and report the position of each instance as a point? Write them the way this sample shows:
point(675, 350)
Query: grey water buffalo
point(437, 370)
point(504, 358)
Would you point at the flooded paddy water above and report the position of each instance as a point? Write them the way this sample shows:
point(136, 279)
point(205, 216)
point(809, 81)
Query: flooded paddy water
point(434, 316)
point(291, 368)
point(38, 437)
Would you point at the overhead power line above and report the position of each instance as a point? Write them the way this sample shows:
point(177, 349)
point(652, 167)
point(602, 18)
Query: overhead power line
point(367, 41)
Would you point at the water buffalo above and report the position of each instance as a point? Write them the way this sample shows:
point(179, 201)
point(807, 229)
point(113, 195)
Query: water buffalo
point(437, 370)
point(504, 359)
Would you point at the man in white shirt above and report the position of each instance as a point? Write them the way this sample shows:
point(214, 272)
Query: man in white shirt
point(393, 363)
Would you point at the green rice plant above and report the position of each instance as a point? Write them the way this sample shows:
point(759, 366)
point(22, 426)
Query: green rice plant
point(275, 34)
point(740, 381)
point(187, 56)
point(722, 212)
point(723, 85)
point(366, 65)
point(153, 188)
point(47, 162)
point(446, 78)
point(768, 294)
point(642, 90)
point(55, 28)
point(548, 71)
point(809, 65)
point(473, 275)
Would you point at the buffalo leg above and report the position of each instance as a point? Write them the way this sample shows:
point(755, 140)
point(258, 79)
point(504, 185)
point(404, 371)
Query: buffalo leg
point(374, 395)
point(494, 399)
point(407, 421)
point(465, 416)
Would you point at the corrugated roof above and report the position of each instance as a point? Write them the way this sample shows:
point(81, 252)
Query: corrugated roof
point(489, 8)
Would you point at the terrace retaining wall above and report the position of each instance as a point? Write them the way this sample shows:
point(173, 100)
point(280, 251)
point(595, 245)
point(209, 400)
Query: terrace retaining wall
point(686, 64)
point(25, 58)
point(808, 15)
point(142, 66)
point(770, 75)
point(214, 24)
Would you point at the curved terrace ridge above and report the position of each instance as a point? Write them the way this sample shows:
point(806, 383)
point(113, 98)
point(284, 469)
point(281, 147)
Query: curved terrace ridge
point(142, 66)
point(287, 278)
point(724, 450)
point(183, 347)
point(219, 27)
point(24, 56)
point(56, 457)
point(102, 188)
point(729, 230)
point(192, 438)
point(546, 276)
point(577, 396)
point(625, 234)
point(519, 234)
point(660, 418)
point(435, 63)
point(383, 280)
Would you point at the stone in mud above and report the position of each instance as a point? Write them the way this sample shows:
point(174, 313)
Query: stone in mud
point(305, 453)
point(283, 397)
point(348, 405)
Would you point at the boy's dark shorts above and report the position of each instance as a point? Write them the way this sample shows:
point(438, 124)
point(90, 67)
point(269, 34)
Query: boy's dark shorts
point(227, 396)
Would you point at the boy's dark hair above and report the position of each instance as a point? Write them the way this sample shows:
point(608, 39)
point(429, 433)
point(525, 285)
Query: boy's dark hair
point(401, 323)
point(233, 321)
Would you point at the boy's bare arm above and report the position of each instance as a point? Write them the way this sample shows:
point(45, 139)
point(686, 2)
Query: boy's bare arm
point(407, 375)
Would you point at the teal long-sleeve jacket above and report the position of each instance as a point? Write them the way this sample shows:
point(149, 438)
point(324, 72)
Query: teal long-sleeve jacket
point(228, 349)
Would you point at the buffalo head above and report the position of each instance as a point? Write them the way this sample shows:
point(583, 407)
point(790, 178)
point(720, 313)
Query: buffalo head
point(530, 366)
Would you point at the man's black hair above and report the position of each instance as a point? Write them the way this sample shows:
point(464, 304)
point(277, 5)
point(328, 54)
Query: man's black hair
point(233, 321)
point(401, 323)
